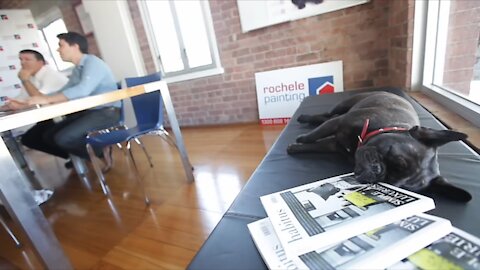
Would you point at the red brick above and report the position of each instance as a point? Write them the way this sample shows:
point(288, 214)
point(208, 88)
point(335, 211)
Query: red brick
point(361, 36)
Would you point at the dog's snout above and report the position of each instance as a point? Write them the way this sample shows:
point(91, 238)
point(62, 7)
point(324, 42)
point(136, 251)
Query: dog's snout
point(376, 168)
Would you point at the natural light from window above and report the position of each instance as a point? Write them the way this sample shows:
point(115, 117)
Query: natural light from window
point(165, 34)
point(192, 25)
point(457, 60)
point(181, 38)
point(50, 33)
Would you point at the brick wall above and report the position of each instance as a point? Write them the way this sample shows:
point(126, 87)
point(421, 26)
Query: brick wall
point(14, 4)
point(462, 43)
point(73, 24)
point(374, 40)
point(400, 21)
point(141, 36)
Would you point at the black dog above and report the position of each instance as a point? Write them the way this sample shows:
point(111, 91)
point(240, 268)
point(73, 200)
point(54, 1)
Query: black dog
point(381, 131)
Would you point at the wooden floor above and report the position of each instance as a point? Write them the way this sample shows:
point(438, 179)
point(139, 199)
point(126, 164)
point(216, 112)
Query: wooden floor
point(121, 232)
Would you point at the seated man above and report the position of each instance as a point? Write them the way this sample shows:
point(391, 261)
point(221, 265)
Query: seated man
point(37, 77)
point(91, 76)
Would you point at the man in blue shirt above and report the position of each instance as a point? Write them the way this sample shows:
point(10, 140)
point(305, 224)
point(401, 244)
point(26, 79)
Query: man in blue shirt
point(91, 76)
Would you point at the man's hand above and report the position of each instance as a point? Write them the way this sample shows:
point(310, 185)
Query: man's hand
point(13, 105)
point(24, 74)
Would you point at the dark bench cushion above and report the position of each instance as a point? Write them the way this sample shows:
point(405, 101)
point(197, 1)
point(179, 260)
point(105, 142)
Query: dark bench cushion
point(230, 245)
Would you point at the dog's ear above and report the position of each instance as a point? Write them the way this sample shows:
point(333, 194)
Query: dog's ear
point(434, 138)
point(441, 186)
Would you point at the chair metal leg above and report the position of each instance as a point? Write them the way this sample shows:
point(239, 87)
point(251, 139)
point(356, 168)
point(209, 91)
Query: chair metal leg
point(12, 235)
point(166, 137)
point(136, 172)
point(127, 150)
point(139, 142)
point(115, 212)
point(82, 170)
point(79, 165)
point(97, 169)
point(108, 158)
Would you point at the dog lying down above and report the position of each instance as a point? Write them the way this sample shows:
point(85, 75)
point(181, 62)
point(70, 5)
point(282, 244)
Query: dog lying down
point(381, 131)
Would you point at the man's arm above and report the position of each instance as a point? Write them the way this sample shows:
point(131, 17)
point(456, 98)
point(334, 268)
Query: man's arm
point(52, 81)
point(24, 76)
point(43, 99)
point(31, 89)
point(92, 74)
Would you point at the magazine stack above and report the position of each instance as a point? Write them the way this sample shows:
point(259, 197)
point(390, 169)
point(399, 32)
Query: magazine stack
point(338, 223)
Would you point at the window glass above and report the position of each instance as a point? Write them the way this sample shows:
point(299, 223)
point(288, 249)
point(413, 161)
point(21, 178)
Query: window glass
point(50, 33)
point(181, 34)
point(457, 59)
point(165, 35)
point(194, 33)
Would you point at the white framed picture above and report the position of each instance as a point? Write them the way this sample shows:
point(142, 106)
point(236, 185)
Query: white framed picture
point(255, 14)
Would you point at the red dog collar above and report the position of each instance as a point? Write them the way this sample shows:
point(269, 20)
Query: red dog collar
point(364, 136)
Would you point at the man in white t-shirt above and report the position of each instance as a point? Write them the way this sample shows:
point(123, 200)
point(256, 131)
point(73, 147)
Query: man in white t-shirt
point(37, 77)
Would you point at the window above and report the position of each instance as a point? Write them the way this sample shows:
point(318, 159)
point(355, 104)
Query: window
point(451, 69)
point(181, 38)
point(49, 34)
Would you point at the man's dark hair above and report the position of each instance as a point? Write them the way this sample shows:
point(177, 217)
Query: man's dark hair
point(75, 38)
point(37, 55)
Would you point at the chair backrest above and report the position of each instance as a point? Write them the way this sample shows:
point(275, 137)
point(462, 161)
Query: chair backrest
point(148, 107)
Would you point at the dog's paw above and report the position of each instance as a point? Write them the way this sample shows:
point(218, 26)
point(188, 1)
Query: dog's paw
point(294, 148)
point(304, 138)
point(304, 118)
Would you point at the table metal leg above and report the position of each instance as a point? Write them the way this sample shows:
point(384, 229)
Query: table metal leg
point(167, 101)
point(17, 155)
point(20, 204)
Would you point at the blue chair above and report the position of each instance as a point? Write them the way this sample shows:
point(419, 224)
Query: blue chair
point(148, 109)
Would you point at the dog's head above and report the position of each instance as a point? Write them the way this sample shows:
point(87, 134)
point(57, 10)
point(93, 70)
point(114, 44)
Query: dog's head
point(408, 160)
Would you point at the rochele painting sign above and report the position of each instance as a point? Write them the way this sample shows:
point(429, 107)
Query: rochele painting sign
point(279, 92)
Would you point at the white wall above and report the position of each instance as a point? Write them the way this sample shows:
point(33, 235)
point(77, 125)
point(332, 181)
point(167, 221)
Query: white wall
point(115, 36)
point(117, 42)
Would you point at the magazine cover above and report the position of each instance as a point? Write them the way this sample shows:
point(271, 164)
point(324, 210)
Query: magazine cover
point(332, 210)
point(375, 249)
point(457, 250)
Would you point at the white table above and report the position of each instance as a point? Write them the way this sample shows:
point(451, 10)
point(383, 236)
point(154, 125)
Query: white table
point(17, 198)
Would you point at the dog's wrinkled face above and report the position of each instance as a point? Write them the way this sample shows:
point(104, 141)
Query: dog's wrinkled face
point(397, 159)
point(407, 160)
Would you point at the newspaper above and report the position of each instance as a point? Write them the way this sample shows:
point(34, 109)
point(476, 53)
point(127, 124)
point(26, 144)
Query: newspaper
point(329, 211)
point(457, 250)
point(376, 249)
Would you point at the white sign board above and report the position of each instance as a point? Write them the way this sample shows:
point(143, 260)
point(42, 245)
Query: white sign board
point(255, 14)
point(279, 92)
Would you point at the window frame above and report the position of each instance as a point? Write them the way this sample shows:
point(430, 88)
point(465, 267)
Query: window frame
point(44, 20)
point(187, 73)
point(425, 49)
point(50, 50)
